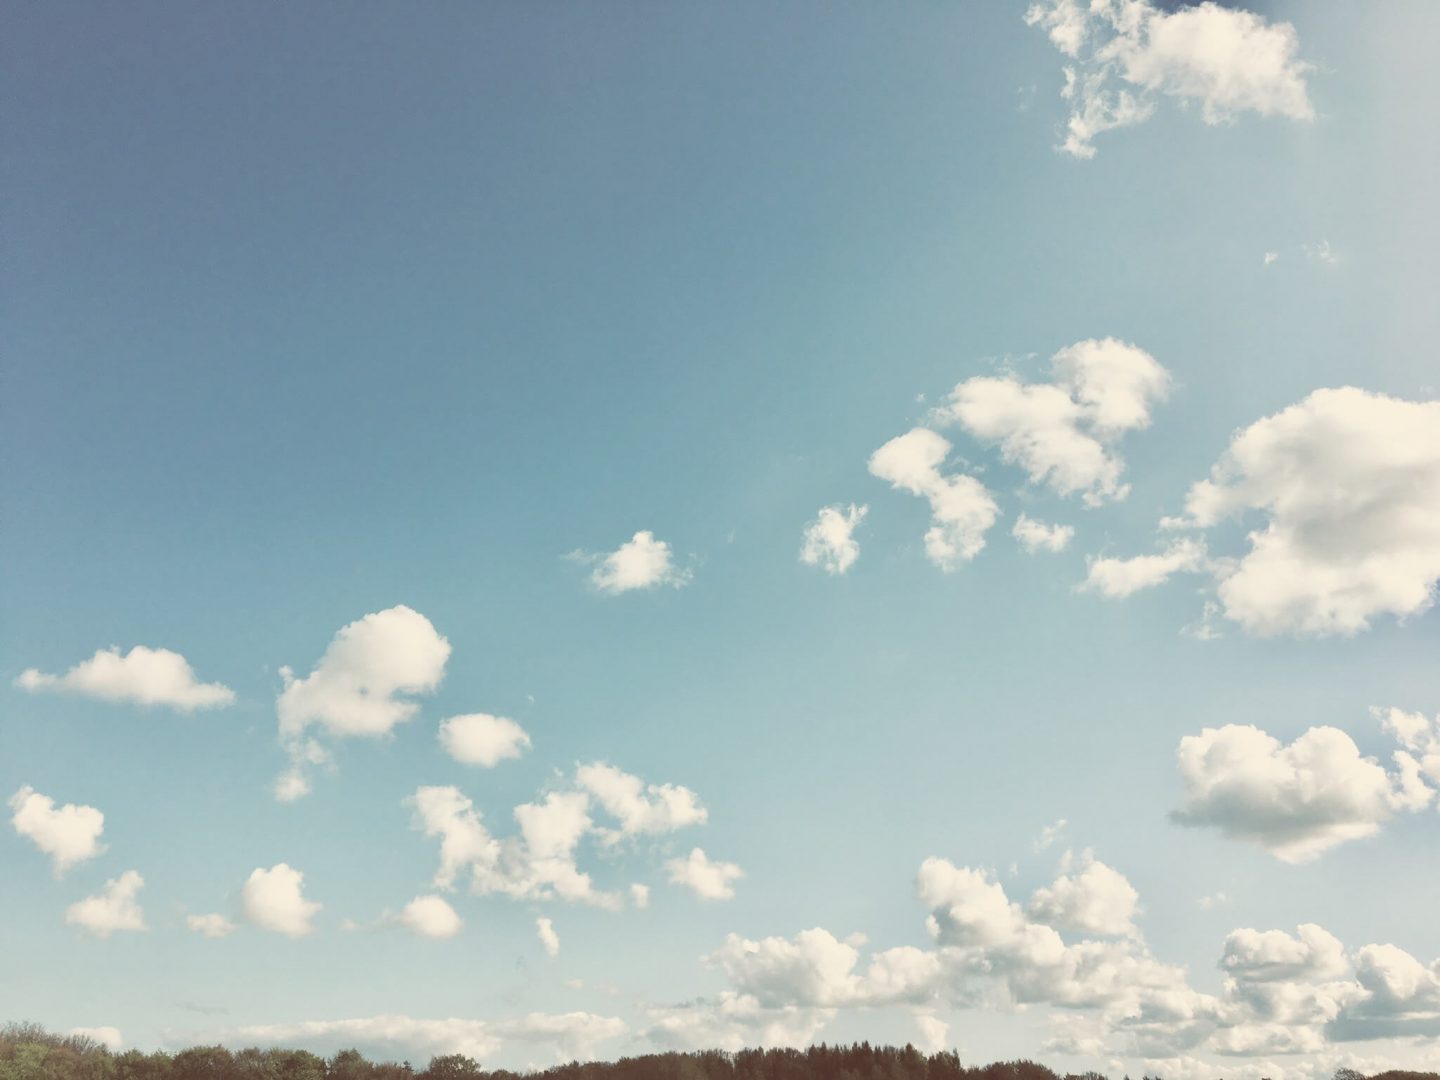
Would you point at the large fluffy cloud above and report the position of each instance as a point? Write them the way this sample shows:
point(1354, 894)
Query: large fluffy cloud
point(1063, 432)
point(360, 687)
point(143, 676)
point(274, 899)
point(112, 909)
point(1347, 485)
point(1295, 801)
point(1125, 54)
point(642, 562)
point(961, 509)
point(830, 539)
point(69, 834)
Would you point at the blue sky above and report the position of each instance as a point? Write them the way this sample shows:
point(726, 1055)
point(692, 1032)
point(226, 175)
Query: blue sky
point(314, 316)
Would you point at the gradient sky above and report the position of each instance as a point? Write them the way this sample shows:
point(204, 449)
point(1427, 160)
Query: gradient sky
point(315, 311)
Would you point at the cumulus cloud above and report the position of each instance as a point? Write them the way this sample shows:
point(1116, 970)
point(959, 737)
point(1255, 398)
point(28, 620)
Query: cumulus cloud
point(1063, 432)
point(539, 861)
point(1116, 579)
point(815, 969)
point(549, 939)
point(431, 917)
point(1397, 996)
point(112, 909)
point(642, 562)
point(640, 809)
point(143, 676)
point(1035, 536)
point(962, 511)
point(274, 899)
point(360, 687)
point(537, 864)
point(568, 1036)
point(934, 1032)
point(108, 1037)
point(830, 539)
point(1419, 761)
point(1125, 55)
point(707, 879)
point(69, 834)
point(481, 739)
point(213, 925)
point(1347, 485)
point(1283, 993)
point(732, 1022)
point(1295, 801)
point(1088, 898)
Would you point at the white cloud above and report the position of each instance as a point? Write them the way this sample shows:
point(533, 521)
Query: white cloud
point(549, 939)
point(639, 808)
point(568, 1036)
point(1311, 954)
point(1283, 993)
point(732, 1022)
point(274, 900)
point(1050, 834)
point(69, 834)
point(1271, 256)
point(1093, 899)
point(112, 908)
point(1126, 54)
point(642, 562)
point(934, 1032)
point(539, 861)
point(356, 689)
point(1321, 253)
point(1116, 579)
point(1295, 801)
point(1062, 432)
point(481, 739)
point(213, 925)
point(108, 1037)
point(537, 864)
point(142, 676)
point(706, 879)
point(431, 917)
point(961, 509)
point(815, 969)
point(1420, 759)
point(830, 539)
point(1037, 536)
point(1348, 483)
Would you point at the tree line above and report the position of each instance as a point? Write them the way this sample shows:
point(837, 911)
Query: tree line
point(29, 1052)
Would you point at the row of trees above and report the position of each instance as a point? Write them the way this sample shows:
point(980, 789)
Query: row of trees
point(29, 1052)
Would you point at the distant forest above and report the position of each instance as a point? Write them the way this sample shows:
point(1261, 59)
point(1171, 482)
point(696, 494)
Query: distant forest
point(29, 1052)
